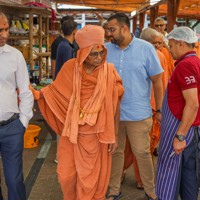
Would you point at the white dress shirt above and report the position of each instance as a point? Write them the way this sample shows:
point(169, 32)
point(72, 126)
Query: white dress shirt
point(15, 96)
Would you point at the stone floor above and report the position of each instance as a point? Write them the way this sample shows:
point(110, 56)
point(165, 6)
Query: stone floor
point(40, 170)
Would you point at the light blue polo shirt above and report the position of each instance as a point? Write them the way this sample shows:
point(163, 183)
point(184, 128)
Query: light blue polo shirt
point(135, 65)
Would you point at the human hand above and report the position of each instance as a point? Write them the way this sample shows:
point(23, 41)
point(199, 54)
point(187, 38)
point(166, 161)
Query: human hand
point(36, 93)
point(112, 147)
point(158, 117)
point(179, 146)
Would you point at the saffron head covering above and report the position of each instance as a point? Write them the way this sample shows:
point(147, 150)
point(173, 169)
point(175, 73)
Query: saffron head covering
point(89, 35)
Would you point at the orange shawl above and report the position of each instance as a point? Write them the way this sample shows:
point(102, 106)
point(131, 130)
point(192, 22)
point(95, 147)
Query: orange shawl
point(155, 130)
point(165, 76)
point(169, 59)
point(62, 100)
point(197, 49)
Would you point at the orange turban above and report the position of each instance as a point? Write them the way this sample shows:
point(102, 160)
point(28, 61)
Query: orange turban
point(89, 35)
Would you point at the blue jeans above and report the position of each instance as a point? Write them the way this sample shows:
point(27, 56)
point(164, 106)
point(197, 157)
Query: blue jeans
point(11, 148)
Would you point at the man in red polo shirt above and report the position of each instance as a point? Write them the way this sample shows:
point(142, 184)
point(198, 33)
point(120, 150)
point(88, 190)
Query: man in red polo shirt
point(177, 166)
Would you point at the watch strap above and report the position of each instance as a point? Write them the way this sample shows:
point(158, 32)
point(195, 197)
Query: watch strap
point(158, 111)
point(180, 137)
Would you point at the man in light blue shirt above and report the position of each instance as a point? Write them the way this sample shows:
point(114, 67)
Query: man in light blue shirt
point(138, 65)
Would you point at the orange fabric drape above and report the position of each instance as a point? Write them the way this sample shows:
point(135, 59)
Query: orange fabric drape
point(197, 48)
point(83, 159)
point(169, 59)
point(155, 130)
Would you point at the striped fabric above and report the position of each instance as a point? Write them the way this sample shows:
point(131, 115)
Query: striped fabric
point(168, 167)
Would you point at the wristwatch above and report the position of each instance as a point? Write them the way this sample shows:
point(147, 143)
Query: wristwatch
point(158, 111)
point(180, 137)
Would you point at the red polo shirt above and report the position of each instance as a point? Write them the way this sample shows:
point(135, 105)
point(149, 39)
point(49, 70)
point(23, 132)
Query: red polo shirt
point(186, 75)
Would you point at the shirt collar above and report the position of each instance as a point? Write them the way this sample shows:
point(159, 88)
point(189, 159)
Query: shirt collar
point(4, 48)
point(131, 43)
point(192, 53)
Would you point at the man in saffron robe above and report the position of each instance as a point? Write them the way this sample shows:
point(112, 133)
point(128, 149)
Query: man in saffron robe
point(83, 105)
point(153, 36)
point(166, 53)
point(177, 168)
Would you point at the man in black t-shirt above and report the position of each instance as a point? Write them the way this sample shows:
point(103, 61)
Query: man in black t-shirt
point(66, 50)
point(55, 44)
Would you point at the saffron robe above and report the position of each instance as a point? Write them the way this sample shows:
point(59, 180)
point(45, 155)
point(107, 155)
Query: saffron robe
point(83, 159)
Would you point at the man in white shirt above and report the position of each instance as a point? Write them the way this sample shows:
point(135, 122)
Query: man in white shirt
point(16, 102)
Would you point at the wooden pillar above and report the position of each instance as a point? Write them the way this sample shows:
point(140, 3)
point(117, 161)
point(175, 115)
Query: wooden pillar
point(47, 44)
point(141, 19)
point(172, 10)
point(40, 45)
point(134, 24)
point(31, 41)
point(153, 15)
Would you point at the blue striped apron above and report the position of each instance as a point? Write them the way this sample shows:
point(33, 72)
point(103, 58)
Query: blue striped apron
point(168, 167)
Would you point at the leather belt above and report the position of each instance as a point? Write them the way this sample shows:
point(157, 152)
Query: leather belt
point(6, 122)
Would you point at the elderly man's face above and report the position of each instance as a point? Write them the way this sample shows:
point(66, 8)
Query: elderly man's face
point(4, 30)
point(156, 42)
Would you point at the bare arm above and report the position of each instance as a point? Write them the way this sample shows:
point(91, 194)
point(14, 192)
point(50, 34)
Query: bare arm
point(189, 114)
point(158, 93)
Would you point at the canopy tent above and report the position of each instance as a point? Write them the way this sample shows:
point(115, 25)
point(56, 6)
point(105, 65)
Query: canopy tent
point(172, 9)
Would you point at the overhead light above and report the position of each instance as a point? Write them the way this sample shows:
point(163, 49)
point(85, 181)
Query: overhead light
point(153, 2)
point(133, 13)
point(193, 5)
point(67, 6)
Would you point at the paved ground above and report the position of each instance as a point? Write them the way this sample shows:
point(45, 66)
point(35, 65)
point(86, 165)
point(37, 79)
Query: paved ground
point(40, 170)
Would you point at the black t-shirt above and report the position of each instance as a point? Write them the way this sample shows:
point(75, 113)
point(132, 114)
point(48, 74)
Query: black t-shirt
point(54, 46)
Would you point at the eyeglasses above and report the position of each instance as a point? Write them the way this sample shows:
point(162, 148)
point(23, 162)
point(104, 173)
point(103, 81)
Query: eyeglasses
point(157, 42)
point(95, 54)
point(161, 25)
point(107, 30)
point(112, 29)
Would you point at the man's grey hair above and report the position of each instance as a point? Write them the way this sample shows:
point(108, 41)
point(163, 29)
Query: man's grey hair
point(160, 19)
point(148, 33)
